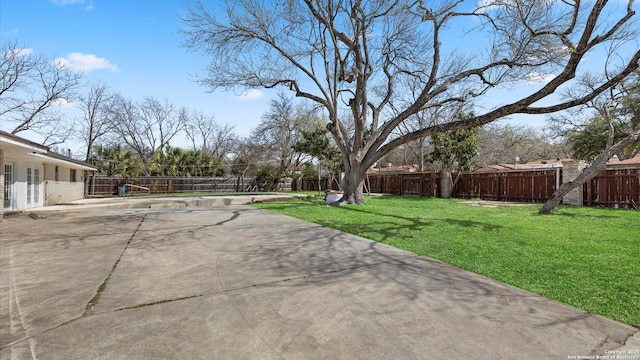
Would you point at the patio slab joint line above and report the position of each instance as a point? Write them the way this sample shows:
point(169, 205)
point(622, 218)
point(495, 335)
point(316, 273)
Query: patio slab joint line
point(159, 302)
point(103, 286)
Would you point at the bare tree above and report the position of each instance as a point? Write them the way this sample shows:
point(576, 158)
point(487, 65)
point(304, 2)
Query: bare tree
point(209, 136)
point(281, 128)
point(419, 147)
point(247, 157)
point(502, 143)
point(593, 170)
point(622, 101)
point(357, 55)
point(32, 89)
point(223, 141)
point(95, 121)
point(147, 127)
point(16, 66)
point(432, 115)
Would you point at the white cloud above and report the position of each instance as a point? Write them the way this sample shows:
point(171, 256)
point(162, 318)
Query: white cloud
point(85, 63)
point(63, 103)
point(251, 95)
point(19, 52)
point(67, 2)
point(535, 77)
point(487, 5)
point(56, 103)
point(88, 7)
point(13, 32)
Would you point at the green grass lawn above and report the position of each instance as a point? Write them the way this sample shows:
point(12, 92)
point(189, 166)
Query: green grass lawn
point(585, 257)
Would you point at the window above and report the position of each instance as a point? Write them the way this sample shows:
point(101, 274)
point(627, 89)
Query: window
point(72, 175)
point(57, 176)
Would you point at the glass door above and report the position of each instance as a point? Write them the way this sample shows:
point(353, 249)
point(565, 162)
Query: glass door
point(36, 186)
point(33, 187)
point(8, 187)
point(29, 186)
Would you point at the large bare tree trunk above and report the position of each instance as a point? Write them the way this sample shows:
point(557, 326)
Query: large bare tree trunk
point(594, 169)
point(353, 185)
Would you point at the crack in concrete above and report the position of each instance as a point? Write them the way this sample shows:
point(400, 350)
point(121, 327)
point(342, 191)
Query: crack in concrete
point(103, 286)
point(632, 335)
point(158, 302)
point(599, 346)
point(94, 300)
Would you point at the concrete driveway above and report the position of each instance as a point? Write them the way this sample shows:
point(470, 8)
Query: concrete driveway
point(235, 282)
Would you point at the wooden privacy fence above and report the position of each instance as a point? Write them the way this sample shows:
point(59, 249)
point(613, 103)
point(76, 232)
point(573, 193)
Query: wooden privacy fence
point(411, 184)
point(612, 188)
point(108, 186)
point(520, 186)
point(310, 184)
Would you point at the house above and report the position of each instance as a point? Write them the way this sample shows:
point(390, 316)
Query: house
point(390, 169)
point(534, 165)
point(616, 163)
point(33, 176)
point(613, 163)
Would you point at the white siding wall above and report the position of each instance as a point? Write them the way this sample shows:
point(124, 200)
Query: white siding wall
point(48, 190)
point(63, 190)
point(2, 184)
point(19, 190)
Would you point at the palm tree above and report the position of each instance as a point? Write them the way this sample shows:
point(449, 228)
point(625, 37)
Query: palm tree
point(116, 161)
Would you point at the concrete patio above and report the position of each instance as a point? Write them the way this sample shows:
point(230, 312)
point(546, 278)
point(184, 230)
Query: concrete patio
point(236, 282)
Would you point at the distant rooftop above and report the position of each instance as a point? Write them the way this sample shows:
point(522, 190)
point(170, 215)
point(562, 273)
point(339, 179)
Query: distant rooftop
point(400, 169)
point(556, 163)
point(533, 165)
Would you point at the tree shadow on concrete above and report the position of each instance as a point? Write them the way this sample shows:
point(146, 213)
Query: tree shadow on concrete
point(380, 281)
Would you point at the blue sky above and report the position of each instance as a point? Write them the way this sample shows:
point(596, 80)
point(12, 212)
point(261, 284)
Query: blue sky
point(133, 46)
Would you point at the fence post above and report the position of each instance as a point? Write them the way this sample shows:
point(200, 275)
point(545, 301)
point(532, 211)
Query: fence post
point(570, 170)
